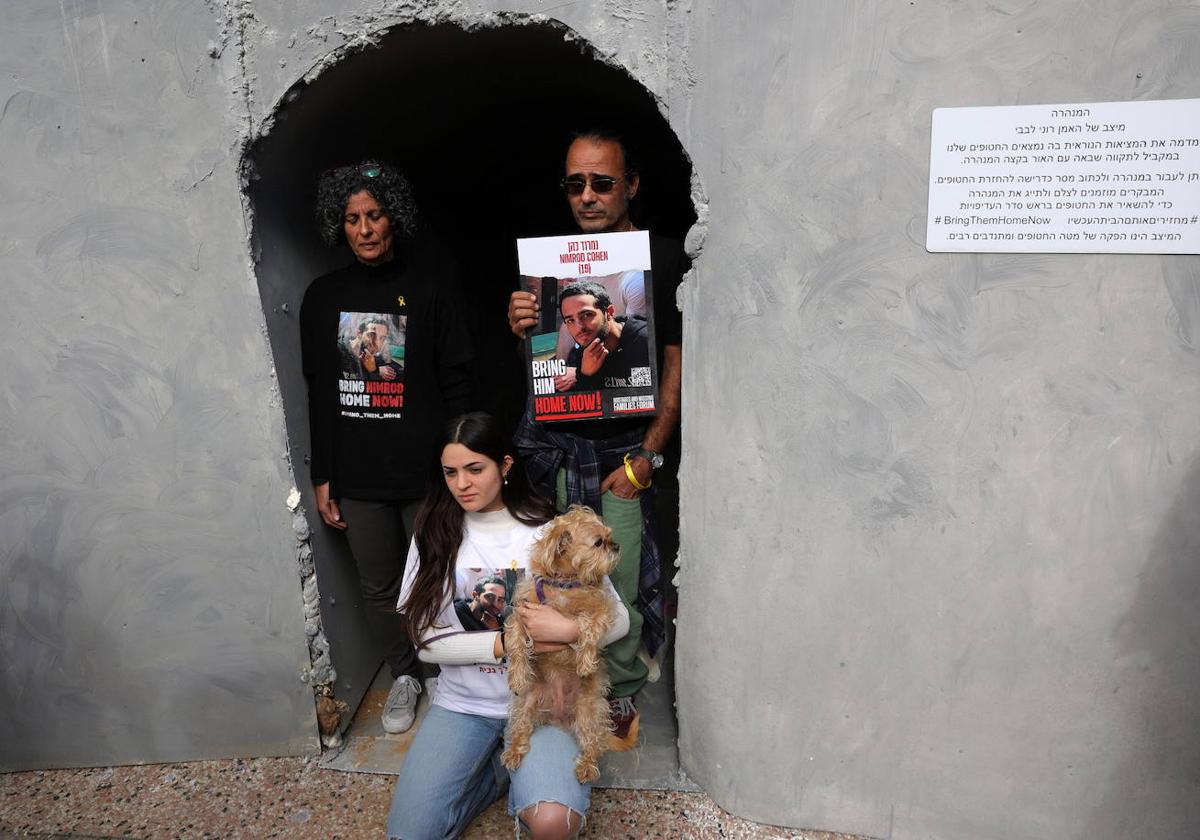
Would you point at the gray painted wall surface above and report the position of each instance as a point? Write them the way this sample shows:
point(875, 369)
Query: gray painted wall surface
point(968, 487)
point(151, 599)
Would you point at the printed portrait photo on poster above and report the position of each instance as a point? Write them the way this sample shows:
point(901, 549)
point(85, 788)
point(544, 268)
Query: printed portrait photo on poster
point(592, 354)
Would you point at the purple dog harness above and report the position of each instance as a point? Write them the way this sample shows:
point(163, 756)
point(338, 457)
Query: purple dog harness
point(539, 581)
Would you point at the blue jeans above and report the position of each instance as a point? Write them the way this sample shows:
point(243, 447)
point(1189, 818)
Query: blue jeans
point(453, 772)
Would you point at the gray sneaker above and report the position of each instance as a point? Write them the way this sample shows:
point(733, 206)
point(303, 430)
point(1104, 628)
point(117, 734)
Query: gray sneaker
point(400, 710)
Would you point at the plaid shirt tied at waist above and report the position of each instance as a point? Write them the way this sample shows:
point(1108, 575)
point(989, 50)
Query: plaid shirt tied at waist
point(586, 464)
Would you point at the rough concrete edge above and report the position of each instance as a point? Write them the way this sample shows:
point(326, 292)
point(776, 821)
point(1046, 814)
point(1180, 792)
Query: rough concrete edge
point(362, 31)
point(239, 28)
point(235, 19)
point(320, 675)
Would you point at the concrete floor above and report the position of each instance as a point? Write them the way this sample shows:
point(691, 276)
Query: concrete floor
point(296, 798)
point(346, 793)
point(652, 765)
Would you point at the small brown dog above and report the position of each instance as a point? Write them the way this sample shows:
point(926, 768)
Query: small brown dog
point(565, 688)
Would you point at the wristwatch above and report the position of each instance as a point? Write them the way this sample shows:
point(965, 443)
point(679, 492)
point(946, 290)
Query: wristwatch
point(655, 458)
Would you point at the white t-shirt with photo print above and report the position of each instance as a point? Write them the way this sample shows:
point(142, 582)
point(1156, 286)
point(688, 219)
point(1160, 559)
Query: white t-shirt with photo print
point(472, 680)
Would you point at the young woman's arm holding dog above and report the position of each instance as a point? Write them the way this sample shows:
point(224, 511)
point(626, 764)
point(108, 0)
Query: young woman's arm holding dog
point(547, 626)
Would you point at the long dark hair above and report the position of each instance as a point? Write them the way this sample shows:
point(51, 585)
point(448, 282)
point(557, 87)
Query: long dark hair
point(439, 525)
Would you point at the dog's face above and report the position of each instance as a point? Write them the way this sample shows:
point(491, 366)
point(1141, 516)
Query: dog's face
point(577, 545)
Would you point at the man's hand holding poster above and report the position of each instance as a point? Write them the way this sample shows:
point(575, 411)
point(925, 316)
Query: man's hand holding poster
point(592, 353)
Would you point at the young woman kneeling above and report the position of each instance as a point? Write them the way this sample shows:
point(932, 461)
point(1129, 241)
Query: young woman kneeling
point(472, 543)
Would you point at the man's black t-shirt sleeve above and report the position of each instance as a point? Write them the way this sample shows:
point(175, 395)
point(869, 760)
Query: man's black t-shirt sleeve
point(669, 264)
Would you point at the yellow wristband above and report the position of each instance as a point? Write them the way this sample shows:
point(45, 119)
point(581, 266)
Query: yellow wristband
point(633, 478)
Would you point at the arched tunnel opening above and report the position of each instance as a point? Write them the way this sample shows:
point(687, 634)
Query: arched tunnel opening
point(478, 120)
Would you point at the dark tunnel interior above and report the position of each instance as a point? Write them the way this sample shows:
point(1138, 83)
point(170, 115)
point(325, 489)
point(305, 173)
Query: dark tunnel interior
point(479, 121)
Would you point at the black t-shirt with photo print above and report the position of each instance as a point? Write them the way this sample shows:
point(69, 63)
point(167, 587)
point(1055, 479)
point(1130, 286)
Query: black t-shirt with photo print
point(387, 361)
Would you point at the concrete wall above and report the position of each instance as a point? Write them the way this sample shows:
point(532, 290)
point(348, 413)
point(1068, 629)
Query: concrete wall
point(151, 598)
point(941, 533)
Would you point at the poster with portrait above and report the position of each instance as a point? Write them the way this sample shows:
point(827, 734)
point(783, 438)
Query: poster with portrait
point(592, 353)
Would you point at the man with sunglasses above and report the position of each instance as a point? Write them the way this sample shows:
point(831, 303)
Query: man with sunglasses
point(609, 465)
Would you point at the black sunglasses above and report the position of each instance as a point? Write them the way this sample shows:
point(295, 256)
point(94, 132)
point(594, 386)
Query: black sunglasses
point(600, 184)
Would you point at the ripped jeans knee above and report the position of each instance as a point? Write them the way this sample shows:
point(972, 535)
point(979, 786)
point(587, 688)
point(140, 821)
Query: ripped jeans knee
point(543, 792)
point(550, 820)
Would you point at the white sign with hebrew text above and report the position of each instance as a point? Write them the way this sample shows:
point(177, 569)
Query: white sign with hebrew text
point(1109, 177)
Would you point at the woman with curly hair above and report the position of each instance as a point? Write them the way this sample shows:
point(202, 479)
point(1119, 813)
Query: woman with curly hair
point(387, 361)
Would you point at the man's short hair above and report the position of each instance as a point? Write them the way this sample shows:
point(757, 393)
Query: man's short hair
point(382, 181)
point(586, 287)
point(598, 133)
point(484, 582)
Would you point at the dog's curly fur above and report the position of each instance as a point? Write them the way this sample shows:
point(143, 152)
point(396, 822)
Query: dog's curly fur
point(565, 688)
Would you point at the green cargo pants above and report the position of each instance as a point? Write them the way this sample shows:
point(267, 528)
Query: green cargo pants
point(626, 672)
